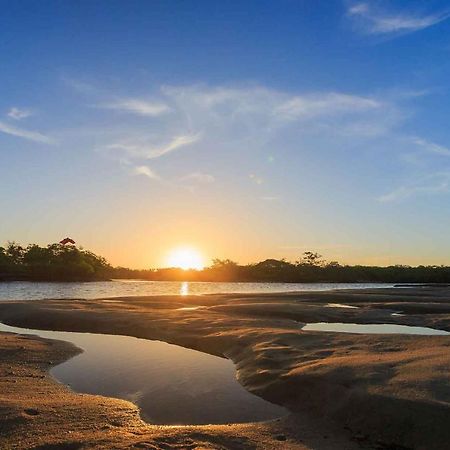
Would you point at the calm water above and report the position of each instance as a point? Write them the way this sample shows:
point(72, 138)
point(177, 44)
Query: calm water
point(170, 384)
point(372, 328)
point(25, 290)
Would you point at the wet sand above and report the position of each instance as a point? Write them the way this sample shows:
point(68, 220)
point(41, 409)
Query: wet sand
point(344, 391)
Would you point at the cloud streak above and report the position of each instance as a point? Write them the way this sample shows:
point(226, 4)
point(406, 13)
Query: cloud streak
point(137, 106)
point(25, 134)
point(431, 147)
point(256, 101)
point(373, 20)
point(438, 183)
point(145, 171)
point(19, 113)
point(327, 104)
point(146, 150)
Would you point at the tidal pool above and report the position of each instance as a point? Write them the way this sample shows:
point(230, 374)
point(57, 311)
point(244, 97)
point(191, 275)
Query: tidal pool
point(170, 384)
point(372, 328)
point(340, 305)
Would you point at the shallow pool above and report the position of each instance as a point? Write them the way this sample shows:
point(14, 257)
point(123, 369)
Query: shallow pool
point(170, 384)
point(340, 305)
point(372, 328)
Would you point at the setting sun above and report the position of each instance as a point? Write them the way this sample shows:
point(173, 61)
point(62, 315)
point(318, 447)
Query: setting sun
point(185, 258)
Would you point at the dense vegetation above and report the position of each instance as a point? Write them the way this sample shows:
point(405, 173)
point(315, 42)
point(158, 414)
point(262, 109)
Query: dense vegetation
point(58, 262)
point(311, 268)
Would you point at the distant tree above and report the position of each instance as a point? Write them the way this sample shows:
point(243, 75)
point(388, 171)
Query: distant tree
point(6, 263)
point(15, 252)
point(312, 259)
point(332, 264)
point(223, 264)
point(54, 262)
point(278, 264)
point(222, 270)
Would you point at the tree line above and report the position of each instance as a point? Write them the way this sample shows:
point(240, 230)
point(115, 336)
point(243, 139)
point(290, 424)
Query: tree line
point(310, 268)
point(58, 262)
point(55, 262)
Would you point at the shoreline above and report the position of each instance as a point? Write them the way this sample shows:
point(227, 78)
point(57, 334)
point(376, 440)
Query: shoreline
point(340, 377)
point(226, 280)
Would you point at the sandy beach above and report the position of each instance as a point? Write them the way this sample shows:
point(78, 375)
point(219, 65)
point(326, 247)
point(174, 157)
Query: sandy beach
point(343, 391)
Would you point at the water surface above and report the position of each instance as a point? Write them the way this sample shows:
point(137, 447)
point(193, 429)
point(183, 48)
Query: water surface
point(340, 305)
point(372, 328)
point(27, 290)
point(169, 383)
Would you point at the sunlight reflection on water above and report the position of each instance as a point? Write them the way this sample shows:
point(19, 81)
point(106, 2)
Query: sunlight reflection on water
point(184, 288)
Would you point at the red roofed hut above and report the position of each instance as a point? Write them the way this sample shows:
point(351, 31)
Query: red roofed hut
point(67, 240)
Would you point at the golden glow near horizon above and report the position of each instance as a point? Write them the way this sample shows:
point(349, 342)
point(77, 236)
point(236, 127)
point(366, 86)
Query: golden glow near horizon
point(185, 258)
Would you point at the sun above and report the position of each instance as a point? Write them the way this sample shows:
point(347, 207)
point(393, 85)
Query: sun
point(185, 258)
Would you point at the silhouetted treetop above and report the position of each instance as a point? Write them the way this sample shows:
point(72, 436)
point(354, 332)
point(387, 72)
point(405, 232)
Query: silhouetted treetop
point(311, 259)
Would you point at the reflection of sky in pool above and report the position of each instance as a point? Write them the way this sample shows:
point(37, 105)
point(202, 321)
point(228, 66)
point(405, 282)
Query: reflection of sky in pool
point(169, 383)
point(340, 305)
point(371, 328)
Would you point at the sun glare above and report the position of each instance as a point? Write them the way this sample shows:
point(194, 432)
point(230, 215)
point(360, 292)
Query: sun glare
point(185, 258)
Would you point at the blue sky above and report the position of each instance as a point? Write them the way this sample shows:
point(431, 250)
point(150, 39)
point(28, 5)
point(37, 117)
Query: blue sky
point(245, 129)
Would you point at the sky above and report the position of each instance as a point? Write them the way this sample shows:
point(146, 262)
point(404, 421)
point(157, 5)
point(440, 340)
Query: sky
point(246, 130)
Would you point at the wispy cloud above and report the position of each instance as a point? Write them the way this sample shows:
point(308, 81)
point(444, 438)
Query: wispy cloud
point(327, 104)
point(430, 176)
point(19, 113)
point(437, 183)
point(82, 87)
point(252, 115)
point(143, 149)
point(255, 102)
point(137, 106)
point(176, 143)
point(431, 147)
point(239, 121)
point(25, 134)
point(145, 171)
point(372, 19)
